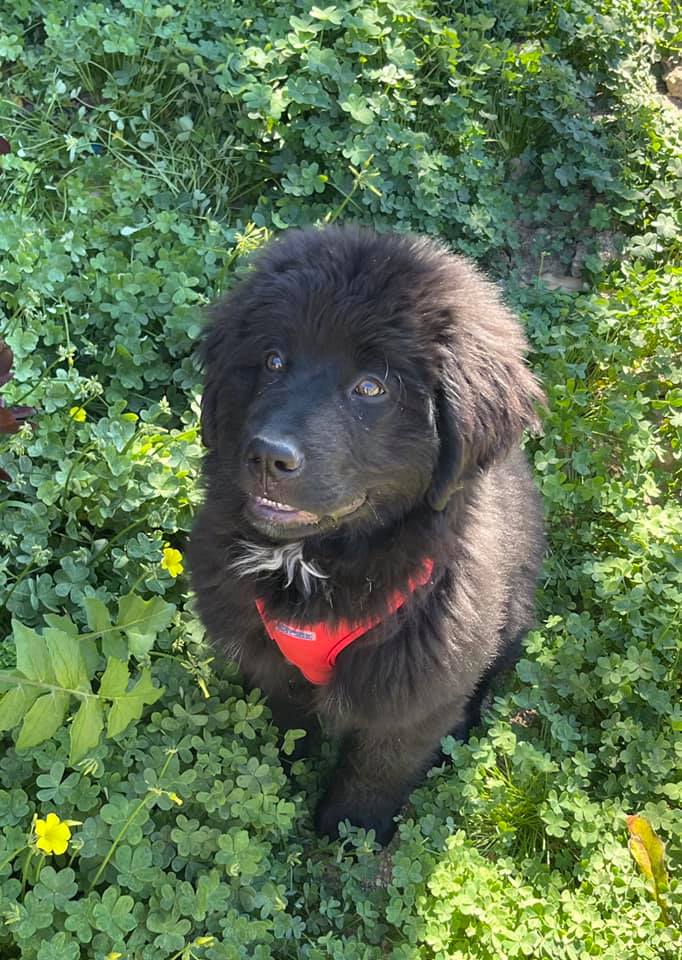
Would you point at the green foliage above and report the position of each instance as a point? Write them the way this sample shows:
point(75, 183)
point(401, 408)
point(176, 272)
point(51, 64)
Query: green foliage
point(146, 149)
point(58, 666)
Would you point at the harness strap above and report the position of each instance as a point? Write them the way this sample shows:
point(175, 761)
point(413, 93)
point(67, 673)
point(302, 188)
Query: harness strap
point(314, 647)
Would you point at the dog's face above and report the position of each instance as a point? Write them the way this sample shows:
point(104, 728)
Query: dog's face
point(334, 428)
point(333, 392)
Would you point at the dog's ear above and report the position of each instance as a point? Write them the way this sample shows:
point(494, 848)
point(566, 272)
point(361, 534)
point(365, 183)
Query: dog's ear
point(209, 426)
point(224, 337)
point(486, 396)
point(450, 468)
point(209, 358)
point(215, 355)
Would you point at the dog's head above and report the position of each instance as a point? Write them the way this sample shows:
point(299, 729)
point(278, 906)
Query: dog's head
point(353, 375)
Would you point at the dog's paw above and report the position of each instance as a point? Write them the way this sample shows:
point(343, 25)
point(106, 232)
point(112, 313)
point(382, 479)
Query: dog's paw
point(330, 813)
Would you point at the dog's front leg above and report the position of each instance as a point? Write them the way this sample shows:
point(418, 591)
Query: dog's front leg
point(375, 776)
point(292, 710)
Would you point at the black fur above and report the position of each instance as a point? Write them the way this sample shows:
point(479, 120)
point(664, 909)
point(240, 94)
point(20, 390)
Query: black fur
point(437, 459)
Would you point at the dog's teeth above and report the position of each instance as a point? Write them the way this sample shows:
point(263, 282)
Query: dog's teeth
point(276, 504)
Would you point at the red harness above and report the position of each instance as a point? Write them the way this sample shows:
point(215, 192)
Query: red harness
point(314, 647)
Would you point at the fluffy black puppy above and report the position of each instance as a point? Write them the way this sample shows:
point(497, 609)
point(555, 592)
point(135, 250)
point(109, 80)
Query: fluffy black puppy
point(364, 399)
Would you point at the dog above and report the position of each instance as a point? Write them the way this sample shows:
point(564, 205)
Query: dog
point(370, 538)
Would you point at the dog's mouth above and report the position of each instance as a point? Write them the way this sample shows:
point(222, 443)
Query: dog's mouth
point(276, 513)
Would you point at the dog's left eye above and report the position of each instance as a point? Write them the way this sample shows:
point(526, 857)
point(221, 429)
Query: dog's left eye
point(369, 387)
point(274, 361)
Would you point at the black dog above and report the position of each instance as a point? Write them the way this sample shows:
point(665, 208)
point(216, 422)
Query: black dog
point(370, 539)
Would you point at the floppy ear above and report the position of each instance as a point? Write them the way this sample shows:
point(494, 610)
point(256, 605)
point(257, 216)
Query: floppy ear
point(450, 468)
point(209, 431)
point(216, 353)
point(486, 396)
point(209, 351)
point(222, 338)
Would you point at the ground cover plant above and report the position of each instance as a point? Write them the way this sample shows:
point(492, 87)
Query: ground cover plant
point(145, 150)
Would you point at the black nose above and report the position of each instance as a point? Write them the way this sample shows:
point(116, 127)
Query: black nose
point(274, 458)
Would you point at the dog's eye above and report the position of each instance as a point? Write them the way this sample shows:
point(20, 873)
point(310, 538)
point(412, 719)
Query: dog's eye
point(274, 361)
point(369, 387)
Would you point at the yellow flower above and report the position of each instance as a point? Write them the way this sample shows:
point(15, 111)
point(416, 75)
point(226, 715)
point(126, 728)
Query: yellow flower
point(78, 414)
point(52, 834)
point(172, 561)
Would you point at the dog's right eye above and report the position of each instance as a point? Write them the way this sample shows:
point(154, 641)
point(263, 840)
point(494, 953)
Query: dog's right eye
point(274, 361)
point(369, 387)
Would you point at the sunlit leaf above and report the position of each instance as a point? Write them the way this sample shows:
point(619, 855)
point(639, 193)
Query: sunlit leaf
point(43, 719)
point(33, 659)
point(129, 707)
point(86, 728)
point(648, 851)
point(15, 703)
point(67, 660)
point(142, 620)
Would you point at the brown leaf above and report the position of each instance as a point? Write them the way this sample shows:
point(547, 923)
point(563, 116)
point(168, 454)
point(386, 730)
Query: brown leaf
point(6, 358)
point(20, 413)
point(8, 422)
